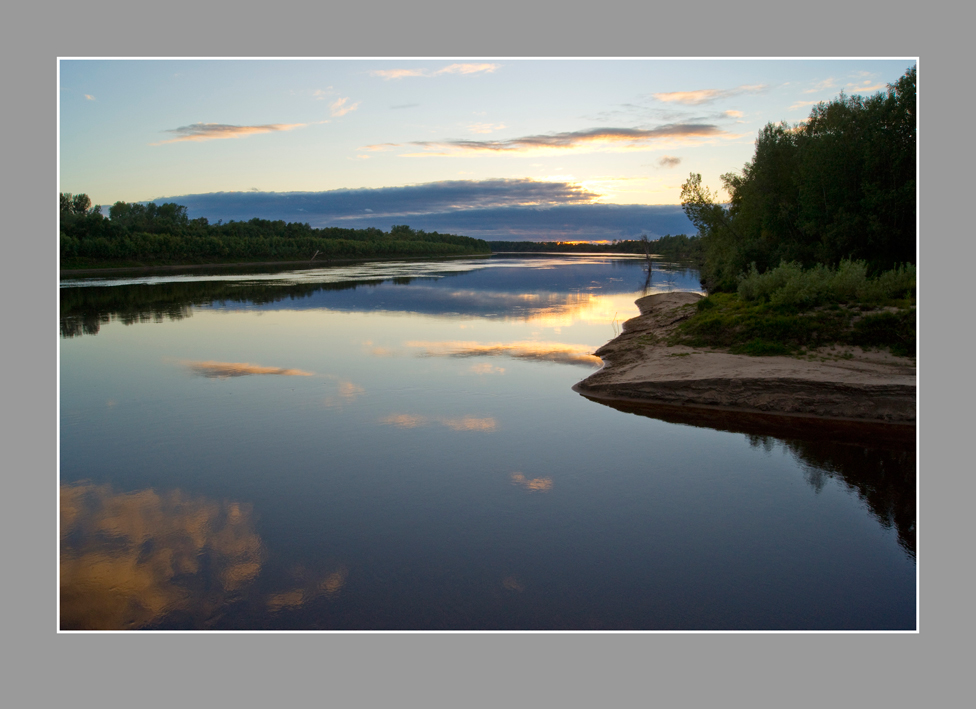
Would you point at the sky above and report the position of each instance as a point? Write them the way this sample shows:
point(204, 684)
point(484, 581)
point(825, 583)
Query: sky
point(496, 148)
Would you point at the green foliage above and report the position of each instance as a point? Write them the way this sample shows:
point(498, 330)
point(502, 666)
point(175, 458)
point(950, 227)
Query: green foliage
point(790, 284)
point(149, 233)
point(678, 247)
point(895, 330)
point(840, 186)
point(790, 324)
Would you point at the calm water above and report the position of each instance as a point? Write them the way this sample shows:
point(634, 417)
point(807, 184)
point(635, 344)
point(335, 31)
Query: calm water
point(397, 446)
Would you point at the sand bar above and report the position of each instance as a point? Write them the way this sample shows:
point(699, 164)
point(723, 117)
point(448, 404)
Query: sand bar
point(842, 383)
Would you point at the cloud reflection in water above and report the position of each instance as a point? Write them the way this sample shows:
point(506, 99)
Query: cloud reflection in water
point(460, 423)
point(535, 484)
point(534, 351)
point(131, 559)
point(225, 370)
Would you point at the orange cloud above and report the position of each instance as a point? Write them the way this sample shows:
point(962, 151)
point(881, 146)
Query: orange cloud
point(694, 98)
point(216, 131)
point(223, 370)
point(616, 138)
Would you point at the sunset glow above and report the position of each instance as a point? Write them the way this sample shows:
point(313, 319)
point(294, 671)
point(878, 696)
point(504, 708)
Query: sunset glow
point(377, 142)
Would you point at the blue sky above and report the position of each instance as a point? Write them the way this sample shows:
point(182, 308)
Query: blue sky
point(486, 147)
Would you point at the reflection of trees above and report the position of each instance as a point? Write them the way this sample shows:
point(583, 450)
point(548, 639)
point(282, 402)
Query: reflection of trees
point(884, 479)
point(137, 559)
point(85, 309)
point(874, 461)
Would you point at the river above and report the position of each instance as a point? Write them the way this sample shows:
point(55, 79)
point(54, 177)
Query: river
point(397, 446)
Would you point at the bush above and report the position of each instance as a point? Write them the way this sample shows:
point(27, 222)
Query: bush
point(790, 285)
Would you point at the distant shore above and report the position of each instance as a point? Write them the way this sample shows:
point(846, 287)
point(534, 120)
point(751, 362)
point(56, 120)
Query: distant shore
point(68, 272)
point(841, 383)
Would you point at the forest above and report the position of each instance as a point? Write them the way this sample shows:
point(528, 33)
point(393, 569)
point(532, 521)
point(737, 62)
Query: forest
point(837, 187)
point(144, 234)
point(678, 247)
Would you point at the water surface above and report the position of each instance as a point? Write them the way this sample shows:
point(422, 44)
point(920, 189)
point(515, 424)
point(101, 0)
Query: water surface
point(397, 446)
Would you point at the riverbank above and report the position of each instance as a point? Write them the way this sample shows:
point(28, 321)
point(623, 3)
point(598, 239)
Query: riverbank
point(843, 383)
point(69, 272)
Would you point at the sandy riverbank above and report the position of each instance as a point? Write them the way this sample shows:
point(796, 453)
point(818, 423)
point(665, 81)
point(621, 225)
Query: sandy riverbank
point(639, 367)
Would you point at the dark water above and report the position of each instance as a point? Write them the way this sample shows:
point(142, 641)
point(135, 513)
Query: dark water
point(397, 446)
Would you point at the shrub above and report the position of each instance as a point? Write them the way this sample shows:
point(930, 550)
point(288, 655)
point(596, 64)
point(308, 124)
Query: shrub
point(790, 285)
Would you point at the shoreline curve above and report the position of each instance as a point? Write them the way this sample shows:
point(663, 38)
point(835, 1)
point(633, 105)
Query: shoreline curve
point(845, 384)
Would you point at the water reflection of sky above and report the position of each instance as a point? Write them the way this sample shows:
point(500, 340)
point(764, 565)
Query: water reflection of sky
point(318, 462)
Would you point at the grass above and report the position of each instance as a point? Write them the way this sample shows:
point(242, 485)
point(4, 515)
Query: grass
point(764, 328)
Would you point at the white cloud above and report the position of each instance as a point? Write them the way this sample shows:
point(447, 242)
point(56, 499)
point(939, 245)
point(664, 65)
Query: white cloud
point(341, 107)
point(822, 86)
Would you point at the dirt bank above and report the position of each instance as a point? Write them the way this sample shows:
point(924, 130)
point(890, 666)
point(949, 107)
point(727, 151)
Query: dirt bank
point(839, 383)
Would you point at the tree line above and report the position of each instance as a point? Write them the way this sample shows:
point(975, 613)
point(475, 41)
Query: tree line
point(677, 246)
point(150, 233)
point(839, 186)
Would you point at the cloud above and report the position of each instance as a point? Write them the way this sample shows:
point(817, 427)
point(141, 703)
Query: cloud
point(468, 69)
point(866, 86)
point(534, 351)
point(733, 114)
point(801, 104)
point(821, 86)
point(669, 161)
point(405, 105)
point(389, 74)
point(320, 94)
point(398, 73)
point(339, 107)
point(620, 138)
point(89, 97)
point(224, 370)
point(504, 209)
point(216, 131)
point(695, 98)
point(447, 195)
